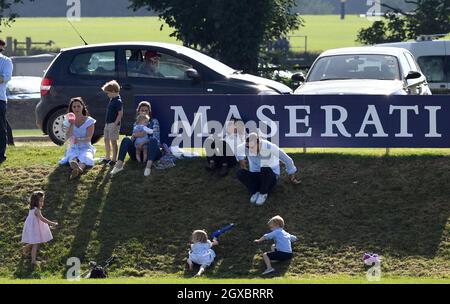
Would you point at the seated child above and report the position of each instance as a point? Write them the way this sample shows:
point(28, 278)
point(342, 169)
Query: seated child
point(201, 252)
point(140, 143)
point(282, 249)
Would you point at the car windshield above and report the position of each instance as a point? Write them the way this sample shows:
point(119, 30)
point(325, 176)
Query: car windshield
point(210, 62)
point(382, 67)
point(24, 85)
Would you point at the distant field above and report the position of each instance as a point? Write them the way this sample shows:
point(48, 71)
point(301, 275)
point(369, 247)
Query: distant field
point(323, 32)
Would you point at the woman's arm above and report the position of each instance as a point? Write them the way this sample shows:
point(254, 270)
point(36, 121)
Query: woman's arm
point(38, 213)
point(291, 169)
point(156, 130)
point(89, 134)
point(69, 132)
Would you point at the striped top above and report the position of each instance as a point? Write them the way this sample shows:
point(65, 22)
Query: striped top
point(6, 69)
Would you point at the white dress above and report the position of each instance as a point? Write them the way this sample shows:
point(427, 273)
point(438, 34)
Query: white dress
point(202, 254)
point(83, 151)
point(35, 231)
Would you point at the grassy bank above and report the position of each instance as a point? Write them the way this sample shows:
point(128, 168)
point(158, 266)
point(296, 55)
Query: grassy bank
point(348, 203)
point(164, 279)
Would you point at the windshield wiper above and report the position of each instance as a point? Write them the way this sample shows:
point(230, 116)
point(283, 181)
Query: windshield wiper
point(237, 72)
point(324, 79)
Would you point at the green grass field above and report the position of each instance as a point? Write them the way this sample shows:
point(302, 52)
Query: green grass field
point(167, 279)
point(350, 201)
point(29, 132)
point(323, 32)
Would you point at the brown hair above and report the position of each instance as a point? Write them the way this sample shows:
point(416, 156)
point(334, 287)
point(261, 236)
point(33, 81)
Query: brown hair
point(36, 198)
point(85, 112)
point(252, 136)
point(276, 220)
point(199, 236)
point(144, 104)
point(111, 86)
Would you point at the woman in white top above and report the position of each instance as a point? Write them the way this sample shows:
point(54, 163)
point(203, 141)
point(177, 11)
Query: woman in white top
point(81, 152)
point(260, 167)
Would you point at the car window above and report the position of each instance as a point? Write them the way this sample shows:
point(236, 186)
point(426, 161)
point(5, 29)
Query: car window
point(383, 67)
point(152, 64)
point(447, 70)
point(412, 62)
point(24, 85)
point(94, 64)
point(433, 68)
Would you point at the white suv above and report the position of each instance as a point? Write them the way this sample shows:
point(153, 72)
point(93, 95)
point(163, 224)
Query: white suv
point(433, 57)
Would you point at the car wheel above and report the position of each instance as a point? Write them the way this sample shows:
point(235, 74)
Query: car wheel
point(55, 127)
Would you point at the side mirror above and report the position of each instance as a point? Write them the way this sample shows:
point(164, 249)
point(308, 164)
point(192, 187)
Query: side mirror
point(192, 74)
point(298, 77)
point(413, 75)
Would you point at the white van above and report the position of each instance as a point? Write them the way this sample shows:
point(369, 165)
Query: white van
point(433, 57)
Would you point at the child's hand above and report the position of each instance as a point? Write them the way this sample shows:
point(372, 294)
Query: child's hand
point(257, 241)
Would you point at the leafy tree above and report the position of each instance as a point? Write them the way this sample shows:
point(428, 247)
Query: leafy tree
point(232, 31)
point(428, 17)
point(6, 15)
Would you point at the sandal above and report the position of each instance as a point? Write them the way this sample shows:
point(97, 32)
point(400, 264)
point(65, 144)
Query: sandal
point(76, 170)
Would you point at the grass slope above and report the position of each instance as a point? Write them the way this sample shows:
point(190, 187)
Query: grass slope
point(347, 204)
point(323, 32)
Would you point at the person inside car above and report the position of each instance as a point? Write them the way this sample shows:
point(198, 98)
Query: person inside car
point(150, 66)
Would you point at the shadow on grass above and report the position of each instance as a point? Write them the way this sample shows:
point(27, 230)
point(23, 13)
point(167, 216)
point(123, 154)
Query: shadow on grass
point(346, 204)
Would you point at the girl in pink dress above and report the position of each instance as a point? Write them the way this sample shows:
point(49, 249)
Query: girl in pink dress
point(36, 229)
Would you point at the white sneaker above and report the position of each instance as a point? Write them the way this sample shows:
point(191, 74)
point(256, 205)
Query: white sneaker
point(261, 199)
point(268, 270)
point(147, 172)
point(116, 170)
point(254, 198)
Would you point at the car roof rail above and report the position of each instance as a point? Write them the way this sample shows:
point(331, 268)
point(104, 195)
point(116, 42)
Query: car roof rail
point(430, 37)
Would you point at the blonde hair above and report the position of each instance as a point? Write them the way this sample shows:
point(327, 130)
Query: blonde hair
point(111, 86)
point(142, 117)
point(199, 236)
point(276, 220)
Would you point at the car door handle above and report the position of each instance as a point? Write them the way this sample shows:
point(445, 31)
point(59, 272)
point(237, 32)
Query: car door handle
point(127, 86)
point(442, 86)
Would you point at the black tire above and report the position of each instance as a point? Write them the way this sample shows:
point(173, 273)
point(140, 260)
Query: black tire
point(55, 126)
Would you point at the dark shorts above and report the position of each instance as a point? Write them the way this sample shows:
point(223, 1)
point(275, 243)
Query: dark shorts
point(279, 256)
